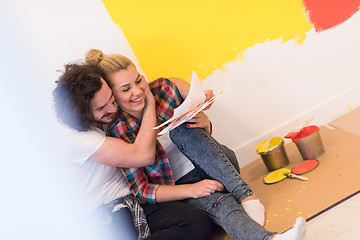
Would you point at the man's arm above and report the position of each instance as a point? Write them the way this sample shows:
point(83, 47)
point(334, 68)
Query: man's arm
point(118, 153)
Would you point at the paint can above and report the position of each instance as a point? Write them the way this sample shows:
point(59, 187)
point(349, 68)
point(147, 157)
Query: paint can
point(275, 156)
point(309, 143)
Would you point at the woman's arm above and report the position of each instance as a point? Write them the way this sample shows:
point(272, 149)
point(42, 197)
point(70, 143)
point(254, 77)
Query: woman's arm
point(184, 87)
point(147, 192)
point(200, 189)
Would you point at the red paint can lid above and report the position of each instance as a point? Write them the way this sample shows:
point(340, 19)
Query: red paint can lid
point(305, 166)
point(306, 131)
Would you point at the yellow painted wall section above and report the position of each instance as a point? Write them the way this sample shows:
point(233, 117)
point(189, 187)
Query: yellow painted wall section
point(172, 38)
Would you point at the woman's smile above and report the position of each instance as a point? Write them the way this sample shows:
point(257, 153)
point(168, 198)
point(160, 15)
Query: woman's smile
point(136, 100)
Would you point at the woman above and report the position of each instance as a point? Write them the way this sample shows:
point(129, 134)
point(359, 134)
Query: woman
point(155, 183)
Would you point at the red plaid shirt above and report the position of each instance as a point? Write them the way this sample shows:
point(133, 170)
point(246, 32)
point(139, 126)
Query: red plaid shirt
point(144, 182)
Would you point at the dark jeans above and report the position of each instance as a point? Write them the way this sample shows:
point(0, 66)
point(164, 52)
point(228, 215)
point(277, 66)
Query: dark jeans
point(177, 221)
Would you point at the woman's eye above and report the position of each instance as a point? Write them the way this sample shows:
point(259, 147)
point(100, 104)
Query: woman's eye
point(125, 89)
point(140, 79)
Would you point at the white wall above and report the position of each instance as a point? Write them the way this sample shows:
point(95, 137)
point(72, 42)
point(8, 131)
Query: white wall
point(276, 88)
point(62, 31)
point(279, 86)
point(38, 38)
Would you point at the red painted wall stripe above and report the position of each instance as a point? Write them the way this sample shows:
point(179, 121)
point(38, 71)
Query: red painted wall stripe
point(325, 14)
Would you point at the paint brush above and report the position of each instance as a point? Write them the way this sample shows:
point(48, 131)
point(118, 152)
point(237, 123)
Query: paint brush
point(263, 147)
point(293, 175)
point(281, 174)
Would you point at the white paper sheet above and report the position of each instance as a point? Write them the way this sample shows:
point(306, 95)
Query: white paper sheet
point(192, 105)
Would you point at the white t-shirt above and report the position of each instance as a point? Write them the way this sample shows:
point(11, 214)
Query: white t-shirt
point(179, 164)
point(100, 183)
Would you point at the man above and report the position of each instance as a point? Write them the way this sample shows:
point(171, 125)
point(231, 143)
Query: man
point(84, 102)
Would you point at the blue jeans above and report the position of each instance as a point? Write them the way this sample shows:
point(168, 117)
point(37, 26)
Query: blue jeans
point(213, 160)
point(226, 211)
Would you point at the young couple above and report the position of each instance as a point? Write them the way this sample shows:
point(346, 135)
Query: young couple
point(159, 178)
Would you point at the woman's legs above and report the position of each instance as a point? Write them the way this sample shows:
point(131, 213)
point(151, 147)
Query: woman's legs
point(255, 209)
point(296, 233)
point(230, 155)
point(212, 157)
point(227, 212)
point(177, 220)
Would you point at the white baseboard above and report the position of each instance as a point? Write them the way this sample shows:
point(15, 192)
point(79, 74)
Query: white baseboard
point(323, 114)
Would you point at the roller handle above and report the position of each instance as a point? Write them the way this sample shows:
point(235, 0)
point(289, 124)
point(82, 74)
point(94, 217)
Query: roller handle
point(292, 175)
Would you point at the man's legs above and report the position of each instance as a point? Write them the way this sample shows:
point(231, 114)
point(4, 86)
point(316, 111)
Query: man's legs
point(177, 220)
point(116, 225)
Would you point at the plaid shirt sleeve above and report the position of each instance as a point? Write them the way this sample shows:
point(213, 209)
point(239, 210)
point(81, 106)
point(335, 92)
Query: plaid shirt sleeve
point(167, 98)
point(139, 185)
point(126, 128)
point(144, 182)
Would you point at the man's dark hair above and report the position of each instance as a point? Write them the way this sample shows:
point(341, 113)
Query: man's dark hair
point(75, 88)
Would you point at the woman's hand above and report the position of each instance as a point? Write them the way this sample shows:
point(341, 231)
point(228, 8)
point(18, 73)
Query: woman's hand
point(149, 98)
point(205, 188)
point(201, 120)
point(209, 94)
point(200, 189)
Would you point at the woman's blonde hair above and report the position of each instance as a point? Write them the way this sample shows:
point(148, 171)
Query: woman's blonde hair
point(107, 63)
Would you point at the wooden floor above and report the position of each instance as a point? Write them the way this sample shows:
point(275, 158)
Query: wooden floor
point(334, 179)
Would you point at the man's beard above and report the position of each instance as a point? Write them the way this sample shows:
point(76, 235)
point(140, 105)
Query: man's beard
point(112, 120)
